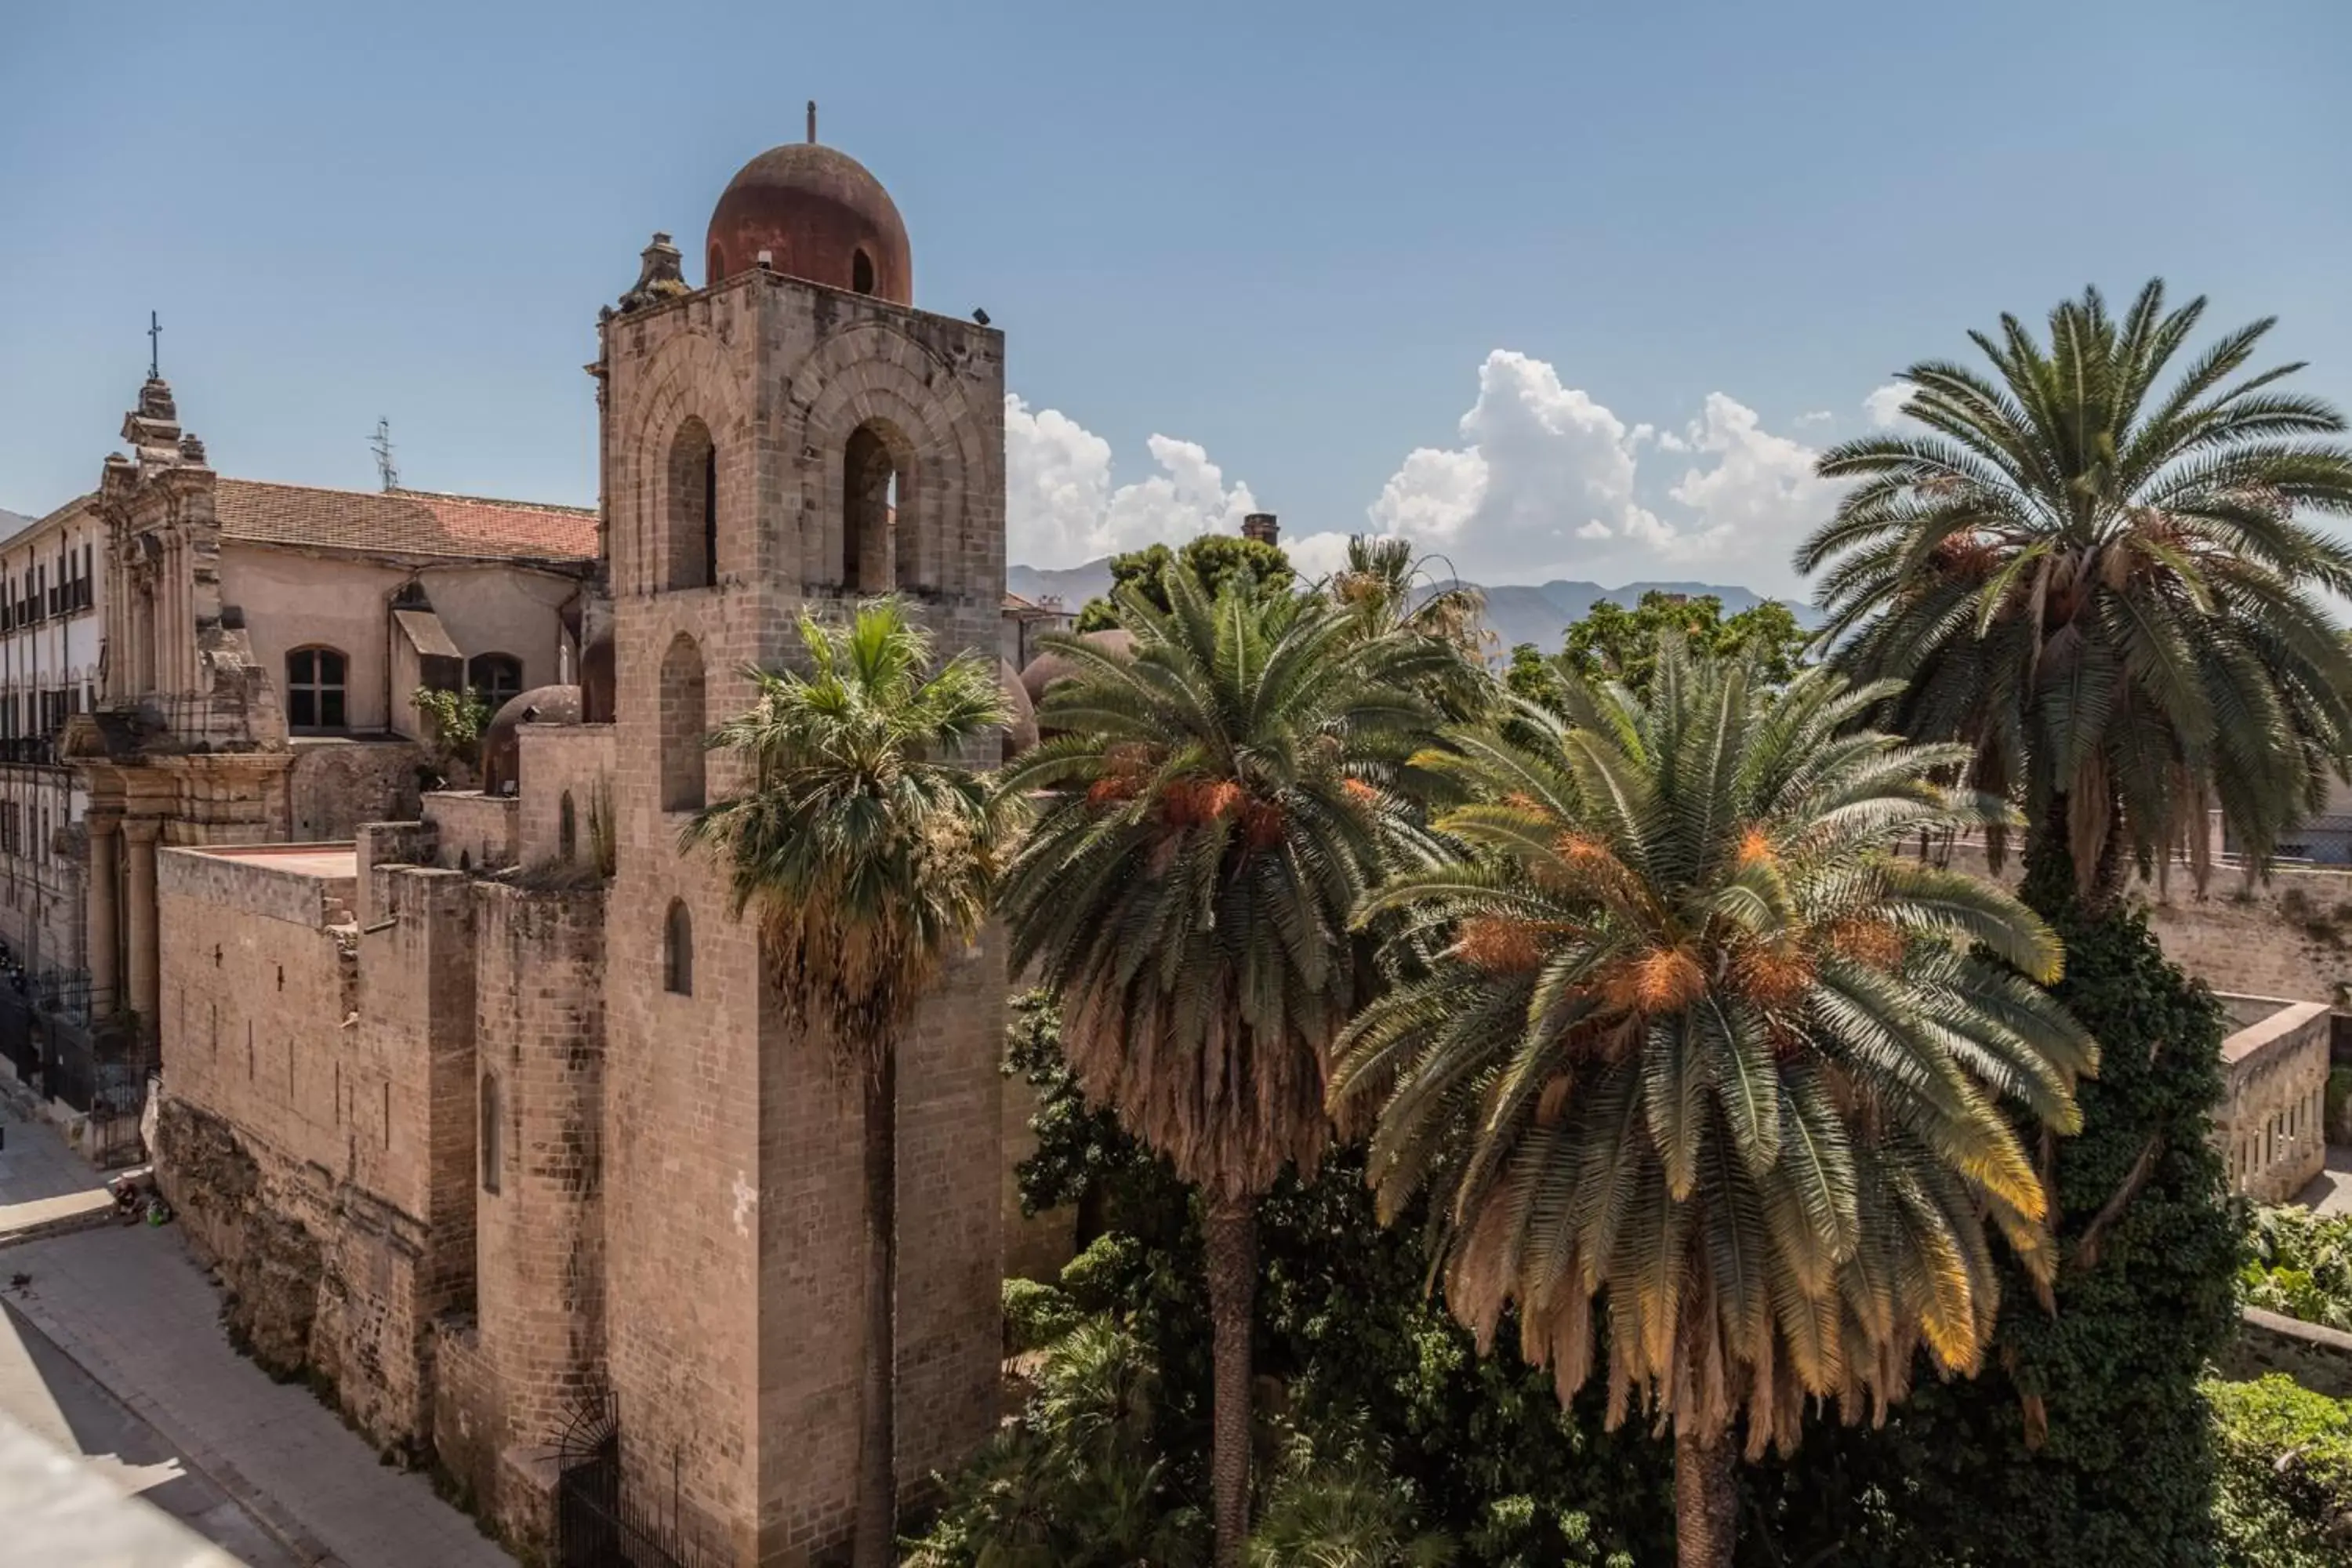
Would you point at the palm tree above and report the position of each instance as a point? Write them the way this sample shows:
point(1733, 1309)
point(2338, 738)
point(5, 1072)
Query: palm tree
point(866, 852)
point(1695, 1056)
point(1386, 585)
point(1391, 596)
point(2100, 583)
point(1211, 811)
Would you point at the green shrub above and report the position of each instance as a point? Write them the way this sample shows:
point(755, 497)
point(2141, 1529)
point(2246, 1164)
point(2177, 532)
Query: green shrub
point(2284, 1497)
point(2299, 1264)
point(1035, 1315)
point(1334, 1499)
point(2339, 1092)
point(1076, 1481)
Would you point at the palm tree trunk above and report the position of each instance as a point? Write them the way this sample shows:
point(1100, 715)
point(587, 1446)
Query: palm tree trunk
point(1230, 1226)
point(877, 1539)
point(1706, 1500)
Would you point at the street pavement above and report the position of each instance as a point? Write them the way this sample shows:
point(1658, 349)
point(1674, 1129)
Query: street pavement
point(43, 1390)
point(113, 1348)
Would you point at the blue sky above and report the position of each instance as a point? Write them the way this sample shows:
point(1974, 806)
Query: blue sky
point(1655, 252)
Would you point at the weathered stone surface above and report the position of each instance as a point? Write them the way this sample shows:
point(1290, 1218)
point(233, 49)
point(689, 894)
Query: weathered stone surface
point(517, 1163)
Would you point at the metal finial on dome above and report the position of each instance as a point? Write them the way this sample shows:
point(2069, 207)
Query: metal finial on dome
point(812, 119)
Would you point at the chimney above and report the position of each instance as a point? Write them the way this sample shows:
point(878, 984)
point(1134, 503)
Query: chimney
point(1261, 526)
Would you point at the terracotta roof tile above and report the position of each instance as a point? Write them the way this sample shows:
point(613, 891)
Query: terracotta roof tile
point(404, 523)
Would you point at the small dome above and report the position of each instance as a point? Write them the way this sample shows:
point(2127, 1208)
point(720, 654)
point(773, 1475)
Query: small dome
point(1050, 666)
point(1021, 729)
point(540, 705)
point(819, 215)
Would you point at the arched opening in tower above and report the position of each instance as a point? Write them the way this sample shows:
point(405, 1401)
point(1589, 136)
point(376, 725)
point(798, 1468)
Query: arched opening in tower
point(692, 508)
point(876, 512)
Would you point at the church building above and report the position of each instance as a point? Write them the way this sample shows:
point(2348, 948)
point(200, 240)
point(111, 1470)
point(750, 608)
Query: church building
point(491, 1119)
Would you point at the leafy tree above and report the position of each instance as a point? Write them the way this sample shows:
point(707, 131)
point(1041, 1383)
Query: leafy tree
point(1216, 558)
point(2084, 1438)
point(1209, 814)
point(2102, 584)
point(2090, 569)
point(866, 852)
point(1702, 1080)
point(454, 720)
point(1344, 1323)
point(1613, 642)
point(1079, 1481)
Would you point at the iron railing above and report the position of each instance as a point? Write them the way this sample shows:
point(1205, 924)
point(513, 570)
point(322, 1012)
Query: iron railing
point(598, 1524)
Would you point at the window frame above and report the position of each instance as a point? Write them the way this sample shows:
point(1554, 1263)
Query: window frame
point(489, 692)
point(316, 688)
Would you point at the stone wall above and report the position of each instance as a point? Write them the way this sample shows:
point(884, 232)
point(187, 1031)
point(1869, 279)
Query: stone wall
point(541, 1255)
point(281, 1139)
point(733, 1165)
point(475, 832)
point(332, 786)
point(2318, 1358)
point(2268, 1127)
point(559, 762)
point(2291, 936)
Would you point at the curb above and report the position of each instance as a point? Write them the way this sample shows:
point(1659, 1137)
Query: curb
point(201, 1456)
point(60, 1224)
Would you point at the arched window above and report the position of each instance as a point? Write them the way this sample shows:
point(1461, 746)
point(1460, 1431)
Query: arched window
point(682, 726)
point(716, 270)
point(495, 676)
point(861, 272)
point(314, 691)
point(677, 950)
point(567, 829)
point(692, 508)
point(493, 1134)
point(874, 495)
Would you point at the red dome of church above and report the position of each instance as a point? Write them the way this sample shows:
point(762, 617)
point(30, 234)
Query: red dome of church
point(819, 215)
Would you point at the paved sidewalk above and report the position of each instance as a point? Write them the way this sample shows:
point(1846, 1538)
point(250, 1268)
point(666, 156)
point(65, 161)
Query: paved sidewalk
point(128, 1304)
point(44, 1186)
point(2330, 1192)
point(42, 1390)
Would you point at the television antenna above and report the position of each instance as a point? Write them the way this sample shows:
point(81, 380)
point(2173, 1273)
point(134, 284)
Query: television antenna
point(381, 447)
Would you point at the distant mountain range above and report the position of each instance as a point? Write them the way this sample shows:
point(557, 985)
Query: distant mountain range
point(1515, 613)
point(11, 522)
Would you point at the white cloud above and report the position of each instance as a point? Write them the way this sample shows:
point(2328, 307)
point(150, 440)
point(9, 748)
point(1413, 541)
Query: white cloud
point(1549, 481)
point(1815, 416)
point(1060, 507)
point(1885, 404)
point(1314, 555)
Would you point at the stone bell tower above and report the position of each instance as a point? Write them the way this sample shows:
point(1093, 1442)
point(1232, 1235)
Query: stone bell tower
point(794, 435)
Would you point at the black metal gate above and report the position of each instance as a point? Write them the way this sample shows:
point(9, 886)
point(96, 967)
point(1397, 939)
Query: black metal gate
point(596, 1525)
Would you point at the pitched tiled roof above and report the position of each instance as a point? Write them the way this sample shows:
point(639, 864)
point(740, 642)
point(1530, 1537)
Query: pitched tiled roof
point(403, 522)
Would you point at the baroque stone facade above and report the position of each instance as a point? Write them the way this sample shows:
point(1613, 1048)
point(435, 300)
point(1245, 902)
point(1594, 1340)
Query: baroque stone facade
point(493, 1117)
point(193, 659)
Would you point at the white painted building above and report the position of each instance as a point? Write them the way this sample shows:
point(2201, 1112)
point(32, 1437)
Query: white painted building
point(52, 633)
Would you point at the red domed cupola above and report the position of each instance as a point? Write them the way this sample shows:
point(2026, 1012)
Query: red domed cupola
point(819, 215)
